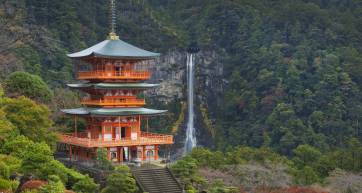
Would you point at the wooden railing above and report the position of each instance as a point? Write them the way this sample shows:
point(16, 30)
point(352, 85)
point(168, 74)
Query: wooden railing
point(144, 139)
point(114, 102)
point(100, 74)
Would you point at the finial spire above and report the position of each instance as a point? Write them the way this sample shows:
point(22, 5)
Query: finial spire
point(112, 21)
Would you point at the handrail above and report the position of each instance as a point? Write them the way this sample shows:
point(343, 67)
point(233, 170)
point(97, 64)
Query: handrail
point(114, 75)
point(116, 102)
point(151, 135)
point(144, 139)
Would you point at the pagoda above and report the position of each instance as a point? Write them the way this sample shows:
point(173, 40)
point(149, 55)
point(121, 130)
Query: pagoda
point(113, 75)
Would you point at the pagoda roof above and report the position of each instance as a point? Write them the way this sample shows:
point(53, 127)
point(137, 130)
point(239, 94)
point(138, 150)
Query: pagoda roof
point(112, 111)
point(115, 49)
point(113, 85)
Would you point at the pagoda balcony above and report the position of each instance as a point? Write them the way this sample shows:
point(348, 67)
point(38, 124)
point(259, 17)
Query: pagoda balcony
point(124, 102)
point(145, 139)
point(113, 75)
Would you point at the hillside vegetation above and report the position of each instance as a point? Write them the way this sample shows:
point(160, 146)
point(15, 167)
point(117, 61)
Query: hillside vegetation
point(292, 71)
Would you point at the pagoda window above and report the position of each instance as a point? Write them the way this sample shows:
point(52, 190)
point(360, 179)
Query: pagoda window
point(109, 93)
point(108, 133)
point(118, 70)
point(133, 129)
point(117, 133)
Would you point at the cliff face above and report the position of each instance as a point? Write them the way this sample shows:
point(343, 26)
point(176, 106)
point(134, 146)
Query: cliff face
point(170, 72)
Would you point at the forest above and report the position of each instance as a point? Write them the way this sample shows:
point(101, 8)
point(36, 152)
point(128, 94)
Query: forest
point(291, 105)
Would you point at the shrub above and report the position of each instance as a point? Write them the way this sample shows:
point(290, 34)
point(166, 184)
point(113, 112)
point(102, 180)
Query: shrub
point(32, 86)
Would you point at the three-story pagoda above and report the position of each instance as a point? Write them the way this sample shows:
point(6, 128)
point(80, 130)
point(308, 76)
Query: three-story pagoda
point(113, 74)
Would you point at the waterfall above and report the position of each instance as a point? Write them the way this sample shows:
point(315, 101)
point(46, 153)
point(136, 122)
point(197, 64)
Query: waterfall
point(190, 141)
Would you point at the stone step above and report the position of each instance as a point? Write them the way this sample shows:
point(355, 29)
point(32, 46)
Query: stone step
point(156, 180)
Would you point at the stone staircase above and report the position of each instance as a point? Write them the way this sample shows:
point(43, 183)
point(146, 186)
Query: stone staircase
point(156, 180)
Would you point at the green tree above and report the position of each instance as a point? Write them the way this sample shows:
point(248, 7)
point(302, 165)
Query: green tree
point(54, 185)
point(36, 159)
point(32, 86)
point(120, 181)
point(85, 185)
point(207, 158)
point(306, 154)
point(29, 119)
point(17, 146)
point(306, 176)
point(102, 160)
point(8, 185)
point(9, 165)
point(219, 187)
point(30, 59)
point(6, 127)
point(186, 170)
point(324, 165)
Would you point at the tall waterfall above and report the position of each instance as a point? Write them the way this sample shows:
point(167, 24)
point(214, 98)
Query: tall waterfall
point(190, 132)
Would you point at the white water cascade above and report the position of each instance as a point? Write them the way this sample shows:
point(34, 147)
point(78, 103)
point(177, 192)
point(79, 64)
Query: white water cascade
point(190, 132)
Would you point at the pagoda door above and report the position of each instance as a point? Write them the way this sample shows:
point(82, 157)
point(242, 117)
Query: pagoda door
point(123, 132)
point(150, 155)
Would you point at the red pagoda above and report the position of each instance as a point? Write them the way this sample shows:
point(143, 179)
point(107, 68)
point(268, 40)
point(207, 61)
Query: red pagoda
point(113, 75)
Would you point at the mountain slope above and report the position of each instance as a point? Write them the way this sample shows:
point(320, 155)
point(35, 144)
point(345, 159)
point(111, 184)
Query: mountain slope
point(291, 70)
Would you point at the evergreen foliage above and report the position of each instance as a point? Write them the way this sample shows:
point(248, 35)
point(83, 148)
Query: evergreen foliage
point(86, 185)
point(292, 69)
point(31, 86)
point(25, 149)
point(261, 167)
point(120, 181)
point(29, 119)
point(102, 160)
point(292, 73)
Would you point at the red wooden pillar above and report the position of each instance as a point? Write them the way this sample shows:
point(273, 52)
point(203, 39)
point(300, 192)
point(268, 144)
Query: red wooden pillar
point(118, 155)
point(95, 153)
point(76, 153)
point(70, 152)
point(75, 127)
point(144, 153)
point(139, 127)
point(102, 132)
point(121, 154)
point(108, 153)
point(156, 152)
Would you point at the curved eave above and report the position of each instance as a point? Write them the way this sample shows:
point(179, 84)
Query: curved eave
point(113, 111)
point(113, 85)
point(115, 49)
point(99, 55)
point(77, 111)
